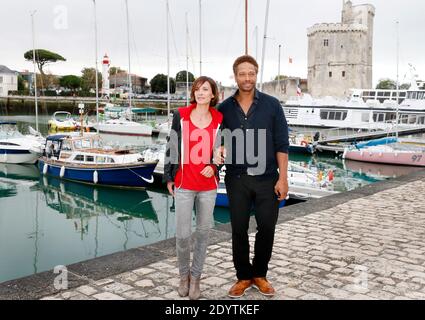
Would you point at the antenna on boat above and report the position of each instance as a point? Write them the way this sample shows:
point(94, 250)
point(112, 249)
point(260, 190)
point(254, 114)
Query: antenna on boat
point(168, 65)
point(264, 45)
point(246, 26)
point(129, 59)
point(96, 76)
point(397, 86)
point(187, 61)
point(200, 37)
point(35, 73)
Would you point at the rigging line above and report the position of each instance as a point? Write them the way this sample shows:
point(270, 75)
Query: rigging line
point(173, 34)
point(191, 50)
point(233, 28)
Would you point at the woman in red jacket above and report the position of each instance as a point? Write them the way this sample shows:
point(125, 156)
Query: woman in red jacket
point(192, 178)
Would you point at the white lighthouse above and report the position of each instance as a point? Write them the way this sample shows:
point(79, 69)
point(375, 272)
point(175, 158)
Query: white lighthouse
point(105, 76)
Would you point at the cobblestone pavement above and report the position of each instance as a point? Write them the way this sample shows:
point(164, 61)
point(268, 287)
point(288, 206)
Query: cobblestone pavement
point(366, 248)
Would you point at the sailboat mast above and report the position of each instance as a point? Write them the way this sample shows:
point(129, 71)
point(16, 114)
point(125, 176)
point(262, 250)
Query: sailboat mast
point(35, 72)
point(130, 91)
point(246, 26)
point(200, 37)
point(168, 64)
point(278, 73)
point(96, 76)
point(397, 86)
point(187, 61)
point(264, 44)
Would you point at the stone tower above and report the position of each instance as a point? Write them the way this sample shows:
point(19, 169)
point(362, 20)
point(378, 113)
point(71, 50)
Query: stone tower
point(340, 54)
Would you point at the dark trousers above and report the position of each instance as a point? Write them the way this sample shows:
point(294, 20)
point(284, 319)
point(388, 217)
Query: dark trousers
point(244, 192)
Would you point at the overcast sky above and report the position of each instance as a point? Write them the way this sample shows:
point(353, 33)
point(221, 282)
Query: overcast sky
point(67, 27)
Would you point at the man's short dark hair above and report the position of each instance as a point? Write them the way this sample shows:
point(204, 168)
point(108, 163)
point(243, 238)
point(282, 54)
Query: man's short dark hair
point(245, 58)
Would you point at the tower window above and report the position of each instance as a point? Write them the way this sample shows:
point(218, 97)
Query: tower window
point(326, 43)
point(343, 74)
point(330, 74)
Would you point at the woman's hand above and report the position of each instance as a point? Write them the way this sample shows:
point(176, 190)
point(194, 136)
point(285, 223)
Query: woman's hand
point(170, 187)
point(207, 172)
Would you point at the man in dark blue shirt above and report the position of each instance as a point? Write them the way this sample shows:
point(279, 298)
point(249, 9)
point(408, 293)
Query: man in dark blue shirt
point(255, 148)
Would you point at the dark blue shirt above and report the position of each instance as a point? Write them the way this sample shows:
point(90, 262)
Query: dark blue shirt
point(265, 113)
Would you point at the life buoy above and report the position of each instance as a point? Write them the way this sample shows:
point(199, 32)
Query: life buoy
point(304, 143)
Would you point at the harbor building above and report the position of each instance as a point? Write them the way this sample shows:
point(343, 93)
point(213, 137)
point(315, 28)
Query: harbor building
point(8, 81)
point(340, 54)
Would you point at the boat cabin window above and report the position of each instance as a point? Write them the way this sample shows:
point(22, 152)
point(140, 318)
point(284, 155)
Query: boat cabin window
point(100, 159)
point(365, 117)
point(8, 144)
point(66, 146)
point(333, 115)
point(110, 160)
point(97, 143)
point(52, 148)
point(79, 157)
point(89, 158)
point(86, 143)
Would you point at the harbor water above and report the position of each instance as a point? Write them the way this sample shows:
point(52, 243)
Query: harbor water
point(45, 222)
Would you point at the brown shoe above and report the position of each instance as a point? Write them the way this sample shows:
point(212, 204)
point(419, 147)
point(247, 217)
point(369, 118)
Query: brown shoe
point(239, 288)
point(263, 286)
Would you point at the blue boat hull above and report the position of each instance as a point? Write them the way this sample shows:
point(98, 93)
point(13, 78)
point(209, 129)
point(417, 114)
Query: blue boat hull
point(137, 176)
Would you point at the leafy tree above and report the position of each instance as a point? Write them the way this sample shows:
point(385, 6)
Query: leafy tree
point(159, 84)
point(43, 57)
point(405, 86)
point(181, 76)
point(386, 84)
point(21, 83)
point(70, 82)
point(115, 70)
point(88, 79)
point(282, 77)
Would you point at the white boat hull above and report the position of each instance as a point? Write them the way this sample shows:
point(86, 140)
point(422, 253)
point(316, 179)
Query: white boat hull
point(18, 158)
point(125, 128)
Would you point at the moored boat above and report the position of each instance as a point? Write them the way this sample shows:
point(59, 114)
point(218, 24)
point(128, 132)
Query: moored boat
point(85, 159)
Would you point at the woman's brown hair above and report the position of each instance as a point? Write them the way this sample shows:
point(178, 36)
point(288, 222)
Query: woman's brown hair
point(198, 83)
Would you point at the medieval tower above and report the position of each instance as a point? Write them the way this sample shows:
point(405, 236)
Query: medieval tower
point(340, 54)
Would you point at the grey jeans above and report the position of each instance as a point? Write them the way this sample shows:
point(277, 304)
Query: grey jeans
point(204, 206)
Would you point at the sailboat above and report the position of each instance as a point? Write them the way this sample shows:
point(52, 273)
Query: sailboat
point(123, 126)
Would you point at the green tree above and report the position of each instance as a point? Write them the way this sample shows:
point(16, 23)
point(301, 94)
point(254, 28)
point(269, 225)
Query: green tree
point(181, 76)
point(386, 84)
point(282, 77)
point(43, 57)
point(88, 79)
point(115, 70)
point(159, 84)
point(70, 82)
point(405, 86)
point(21, 83)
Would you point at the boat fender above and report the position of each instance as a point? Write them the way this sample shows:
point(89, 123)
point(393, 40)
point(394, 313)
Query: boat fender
point(62, 172)
point(95, 177)
point(45, 167)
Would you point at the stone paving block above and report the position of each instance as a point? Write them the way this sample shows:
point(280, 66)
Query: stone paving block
point(313, 296)
point(143, 271)
point(145, 283)
point(134, 295)
point(107, 296)
point(214, 281)
point(160, 290)
point(102, 282)
point(117, 287)
point(87, 290)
